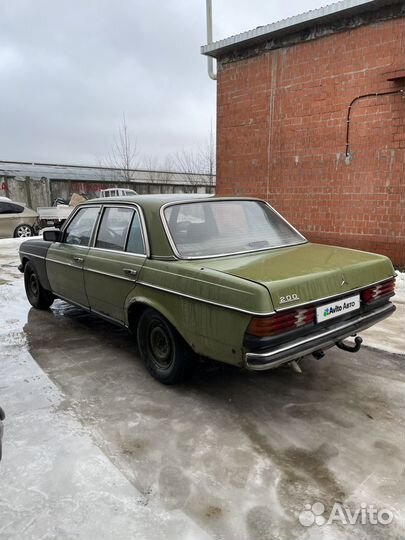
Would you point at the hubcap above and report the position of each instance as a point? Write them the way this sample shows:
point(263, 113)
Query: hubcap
point(23, 231)
point(160, 346)
point(34, 284)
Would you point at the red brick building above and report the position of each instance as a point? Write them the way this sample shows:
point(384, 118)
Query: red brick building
point(311, 116)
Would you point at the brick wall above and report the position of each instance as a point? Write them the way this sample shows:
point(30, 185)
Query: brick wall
point(282, 134)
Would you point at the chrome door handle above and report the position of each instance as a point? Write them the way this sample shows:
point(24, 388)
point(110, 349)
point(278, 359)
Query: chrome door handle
point(130, 271)
point(78, 259)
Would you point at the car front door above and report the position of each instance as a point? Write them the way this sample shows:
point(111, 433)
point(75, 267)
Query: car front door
point(114, 262)
point(65, 259)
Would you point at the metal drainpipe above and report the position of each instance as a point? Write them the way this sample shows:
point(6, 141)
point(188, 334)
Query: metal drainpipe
point(211, 72)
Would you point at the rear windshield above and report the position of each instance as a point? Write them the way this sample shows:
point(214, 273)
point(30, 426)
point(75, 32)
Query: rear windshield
point(213, 228)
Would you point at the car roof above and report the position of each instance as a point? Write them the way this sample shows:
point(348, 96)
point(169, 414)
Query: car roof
point(151, 201)
point(151, 205)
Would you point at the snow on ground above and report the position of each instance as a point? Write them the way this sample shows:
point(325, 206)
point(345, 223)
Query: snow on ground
point(400, 287)
point(9, 259)
point(12, 243)
point(387, 335)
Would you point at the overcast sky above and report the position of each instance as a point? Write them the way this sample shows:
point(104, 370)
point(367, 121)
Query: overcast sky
point(70, 69)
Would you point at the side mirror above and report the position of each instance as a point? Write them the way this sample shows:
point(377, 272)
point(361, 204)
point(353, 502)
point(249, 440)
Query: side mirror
point(52, 235)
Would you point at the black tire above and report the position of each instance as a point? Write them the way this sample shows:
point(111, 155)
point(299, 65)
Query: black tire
point(24, 231)
point(166, 355)
point(37, 296)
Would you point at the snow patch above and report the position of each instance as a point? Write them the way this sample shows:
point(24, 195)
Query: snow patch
point(400, 288)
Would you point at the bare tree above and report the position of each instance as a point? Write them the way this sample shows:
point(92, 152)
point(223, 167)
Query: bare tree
point(166, 172)
point(150, 166)
point(187, 162)
point(194, 164)
point(157, 171)
point(197, 166)
point(124, 154)
point(209, 157)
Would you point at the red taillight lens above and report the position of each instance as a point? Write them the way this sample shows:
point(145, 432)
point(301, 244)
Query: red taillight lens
point(382, 290)
point(281, 322)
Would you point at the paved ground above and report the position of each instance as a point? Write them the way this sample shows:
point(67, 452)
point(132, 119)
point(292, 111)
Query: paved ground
point(94, 448)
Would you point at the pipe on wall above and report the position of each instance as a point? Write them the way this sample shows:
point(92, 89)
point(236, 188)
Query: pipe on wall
point(211, 73)
point(349, 110)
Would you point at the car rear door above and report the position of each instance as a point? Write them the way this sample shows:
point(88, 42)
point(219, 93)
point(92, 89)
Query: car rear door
point(114, 262)
point(6, 225)
point(10, 218)
point(65, 259)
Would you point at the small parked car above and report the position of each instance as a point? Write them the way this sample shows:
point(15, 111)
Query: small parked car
point(225, 278)
point(16, 220)
point(2, 417)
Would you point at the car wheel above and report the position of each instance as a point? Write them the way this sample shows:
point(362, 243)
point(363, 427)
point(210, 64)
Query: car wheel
point(23, 231)
point(166, 355)
point(37, 296)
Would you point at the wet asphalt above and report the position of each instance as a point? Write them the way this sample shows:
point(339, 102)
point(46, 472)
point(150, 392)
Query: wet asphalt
point(95, 448)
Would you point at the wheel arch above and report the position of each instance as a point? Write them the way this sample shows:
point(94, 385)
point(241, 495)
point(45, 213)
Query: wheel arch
point(24, 261)
point(35, 252)
point(40, 268)
point(139, 305)
point(208, 330)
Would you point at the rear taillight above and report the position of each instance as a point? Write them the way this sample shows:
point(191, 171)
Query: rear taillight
point(281, 322)
point(377, 292)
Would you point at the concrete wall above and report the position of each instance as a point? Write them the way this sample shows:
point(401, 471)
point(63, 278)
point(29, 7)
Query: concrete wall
point(35, 193)
point(65, 188)
point(282, 135)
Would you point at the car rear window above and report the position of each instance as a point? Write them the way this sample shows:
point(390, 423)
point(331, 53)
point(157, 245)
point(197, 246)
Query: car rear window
point(214, 228)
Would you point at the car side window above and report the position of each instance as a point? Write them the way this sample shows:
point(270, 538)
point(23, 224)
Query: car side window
point(135, 240)
point(79, 230)
point(4, 208)
point(10, 208)
point(189, 222)
point(114, 226)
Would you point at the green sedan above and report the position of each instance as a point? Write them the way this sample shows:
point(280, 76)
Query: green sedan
point(225, 278)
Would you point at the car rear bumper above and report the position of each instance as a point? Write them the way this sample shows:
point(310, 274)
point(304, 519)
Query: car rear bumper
point(323, 339)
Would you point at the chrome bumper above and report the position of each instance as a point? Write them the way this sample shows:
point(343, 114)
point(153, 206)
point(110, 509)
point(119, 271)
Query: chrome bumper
point(324, 339)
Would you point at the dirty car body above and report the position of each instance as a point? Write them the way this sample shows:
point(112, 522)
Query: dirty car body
point(224, 278)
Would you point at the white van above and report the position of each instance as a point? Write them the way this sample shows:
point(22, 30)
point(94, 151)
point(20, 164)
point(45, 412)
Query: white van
point(117, 192)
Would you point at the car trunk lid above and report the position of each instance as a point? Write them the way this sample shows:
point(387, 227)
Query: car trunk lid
point(307, 273)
